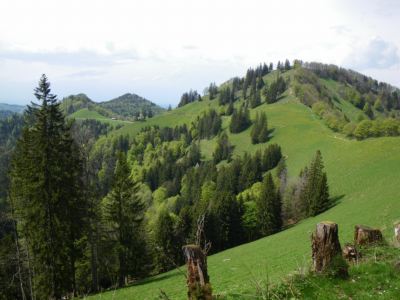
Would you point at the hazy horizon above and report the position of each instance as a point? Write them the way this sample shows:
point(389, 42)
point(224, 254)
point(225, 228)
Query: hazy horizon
point(159, 49)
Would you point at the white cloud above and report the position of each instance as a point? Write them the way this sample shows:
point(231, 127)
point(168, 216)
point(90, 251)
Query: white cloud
point(160, 48)
point(375, 54)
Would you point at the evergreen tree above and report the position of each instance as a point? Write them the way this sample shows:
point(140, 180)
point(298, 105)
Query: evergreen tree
point(259, 131)
point(223, 150)
point(208, 124)
point(123, 211)
point(45, 185)
point(226, 96)
point(269, 208)
point(250, 172)
point(260, 83)
point(368, 110)
point(189, 97)
point(276, 88)
point(271, 157)
point(315, 195)
point(226, 214)
point(255, 99)
point(168, 249)
point(12, 273)
point(287, 65)
point(229, 109)
point(240, 120)
point(212, 90)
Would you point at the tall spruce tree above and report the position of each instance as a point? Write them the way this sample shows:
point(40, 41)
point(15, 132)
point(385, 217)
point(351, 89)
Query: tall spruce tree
point(123, 211)
point(225, 216)
point(255, 99)
point(259, 131)
point(223, 150)
point(315, 195)
point(168, 249)
point(240, 120)
point(269, 207)
point(45, 184)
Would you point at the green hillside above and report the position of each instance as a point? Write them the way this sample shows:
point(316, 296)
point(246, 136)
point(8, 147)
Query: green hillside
point(12, 107)
point(85, 113)
point(363, 175)
point(7, 110)
point(127, 107)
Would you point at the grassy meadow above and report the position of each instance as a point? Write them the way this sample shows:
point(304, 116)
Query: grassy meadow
point(363, 175)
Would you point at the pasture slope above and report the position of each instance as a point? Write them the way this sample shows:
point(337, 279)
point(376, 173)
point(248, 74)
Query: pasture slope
point(363, 175)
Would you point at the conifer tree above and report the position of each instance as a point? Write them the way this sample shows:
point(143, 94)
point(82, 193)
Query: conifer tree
point(255, 99)
point(271, 157)
point(259, 131)
point(223, 150)
point(229, 109)
point(240, 120)
point(45, 185)
point(123, 211)
point(167, 248)
point(287, 65)
point(260, 83)
point(269, 208)
point(226, 215)
point(315, 195)
point(368, 110)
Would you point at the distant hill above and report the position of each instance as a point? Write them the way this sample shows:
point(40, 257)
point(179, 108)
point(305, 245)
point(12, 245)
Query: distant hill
point(12, 107)
point(126, 107)
point(129, 105)
point(75, 103)
point(9, 109)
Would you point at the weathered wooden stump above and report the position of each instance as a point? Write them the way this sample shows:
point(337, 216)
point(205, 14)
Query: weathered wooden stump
point(397, 232)
point(364, 235)
point(326, 250)
point(351, 253)
point(198, 282)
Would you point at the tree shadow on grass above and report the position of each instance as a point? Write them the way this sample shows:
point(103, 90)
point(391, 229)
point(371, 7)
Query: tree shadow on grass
point(333, 201)
point(157, 278)
point(270, 133)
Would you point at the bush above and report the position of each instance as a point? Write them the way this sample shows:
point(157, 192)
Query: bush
point(363, 129)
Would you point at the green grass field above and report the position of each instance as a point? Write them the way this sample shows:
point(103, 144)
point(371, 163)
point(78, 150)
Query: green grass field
point(365, 175)
point(85, 113)
point(374, 276)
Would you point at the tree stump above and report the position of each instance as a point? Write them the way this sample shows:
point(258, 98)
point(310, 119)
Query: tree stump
point(326, 250)
point(397, 233)
point(364, 235)
point(351, 253)
point(198, 282)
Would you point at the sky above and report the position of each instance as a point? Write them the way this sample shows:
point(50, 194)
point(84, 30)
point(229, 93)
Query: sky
point(159, 49)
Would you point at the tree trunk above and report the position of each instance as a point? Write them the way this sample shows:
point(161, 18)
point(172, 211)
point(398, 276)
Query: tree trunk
point(351, 253)
point(93, 259)
point(364, 235)
point(326, 250)
point(199, 287)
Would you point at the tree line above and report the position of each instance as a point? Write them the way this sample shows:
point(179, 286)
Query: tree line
point(251, 87)
point(377, 102)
